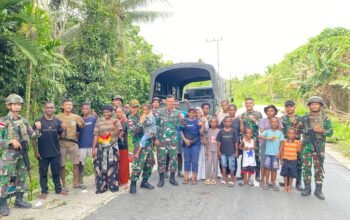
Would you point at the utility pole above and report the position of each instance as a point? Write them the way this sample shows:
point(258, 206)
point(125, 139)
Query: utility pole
point(217, 49)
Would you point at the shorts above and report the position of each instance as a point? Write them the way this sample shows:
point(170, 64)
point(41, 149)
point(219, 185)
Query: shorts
point(84, 153)
point(248, 170)
point(144, 139)
point(228, 161)
point(271, 162)
point(71, 149)
point(289, 168)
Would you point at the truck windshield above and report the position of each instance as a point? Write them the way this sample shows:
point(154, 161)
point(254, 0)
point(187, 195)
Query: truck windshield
point(200, 93)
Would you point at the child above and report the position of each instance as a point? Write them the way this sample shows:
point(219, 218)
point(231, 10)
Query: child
point(249, 163)
point(228, 150)
point(212, 152)
point(273, 139)
point(289, 155)
point(148, 122)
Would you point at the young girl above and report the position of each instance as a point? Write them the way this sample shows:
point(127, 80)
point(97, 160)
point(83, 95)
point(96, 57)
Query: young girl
point(212, 152)
point(201, 158)
point(249, 163)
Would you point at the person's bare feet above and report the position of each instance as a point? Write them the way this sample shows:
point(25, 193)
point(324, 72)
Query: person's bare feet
point(124, 187)
point(43, 196)
point(286, 188)
point(63, 193)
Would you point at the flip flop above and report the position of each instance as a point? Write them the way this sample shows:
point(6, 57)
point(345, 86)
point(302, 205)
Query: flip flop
point(231, 184)
point(184, 181)
point(213, 182)
point(194, 182)
point(266, 187)
point(207, 182)
point(223, 182)
point(276, 188)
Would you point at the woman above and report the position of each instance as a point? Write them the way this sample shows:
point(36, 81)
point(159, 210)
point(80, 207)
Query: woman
point(190, 134)
point(270, 111)
point(201, 175)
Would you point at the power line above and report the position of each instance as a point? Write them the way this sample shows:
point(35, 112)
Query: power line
point(217, 49)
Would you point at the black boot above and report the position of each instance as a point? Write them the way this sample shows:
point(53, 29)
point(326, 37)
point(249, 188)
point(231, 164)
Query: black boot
point(161, 180)
point(299, 186)
point(81, 173)
point(318, 192)
point(172, 180)
point(146, 185)
point(20, 203)
point(133, 187)
point(307, 190)
point(4, 209)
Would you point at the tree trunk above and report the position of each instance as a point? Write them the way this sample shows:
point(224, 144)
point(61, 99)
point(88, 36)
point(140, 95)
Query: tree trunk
point(28, 88)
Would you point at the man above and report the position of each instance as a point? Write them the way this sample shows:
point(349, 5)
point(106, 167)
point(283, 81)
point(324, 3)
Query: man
point(47, 149)
point(15, 134)
point(105, 151)
point(86, 139)
point(291, 120)
point(118, 102)
point(168, 122)
point(124, 172)
point(69, 144)
point(145, 162)
point(224, 111)
point(206, 110)
point(250, 119)
point(316, 127)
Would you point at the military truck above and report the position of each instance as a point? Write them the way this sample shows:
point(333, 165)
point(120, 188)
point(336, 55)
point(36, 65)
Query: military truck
point(171, 80)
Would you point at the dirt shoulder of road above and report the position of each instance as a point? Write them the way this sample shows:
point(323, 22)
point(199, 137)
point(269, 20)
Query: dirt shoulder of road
point(332, 150)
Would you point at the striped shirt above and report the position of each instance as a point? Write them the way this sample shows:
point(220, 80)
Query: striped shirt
point(107, 130)
point(290, 149)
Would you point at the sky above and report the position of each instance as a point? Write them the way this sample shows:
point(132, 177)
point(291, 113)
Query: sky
point(254, 33)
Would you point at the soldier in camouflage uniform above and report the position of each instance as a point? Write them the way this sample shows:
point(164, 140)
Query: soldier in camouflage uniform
point(145, 162)
point(316, 127)
point(168, 121)
point(16, 130)
point(118, 102)
point(291, 120)
point(250, 119)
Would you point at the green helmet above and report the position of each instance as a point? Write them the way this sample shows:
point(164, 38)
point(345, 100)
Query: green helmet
point(315, 99)
point(13, 98)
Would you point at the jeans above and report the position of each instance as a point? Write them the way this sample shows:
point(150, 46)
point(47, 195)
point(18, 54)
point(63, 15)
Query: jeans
point(55, 164)
point(228, 161)
point(191, 155)
point(144, 139)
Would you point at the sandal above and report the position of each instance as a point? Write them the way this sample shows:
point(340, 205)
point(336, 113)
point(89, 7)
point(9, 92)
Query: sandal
point(231, 184)
point(213, 182)
point(223, 182)
point(80, 186)
point(250, 183)
point(241, 184)
point(266, 187)
point(194, 182)
point(207, 182)
point(185, 181)
point(276, 188)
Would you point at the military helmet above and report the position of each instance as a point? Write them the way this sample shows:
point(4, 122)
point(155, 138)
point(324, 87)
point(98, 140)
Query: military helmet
point(13, 98)
point(121, 98)
point(315, 99)
point(134, 103)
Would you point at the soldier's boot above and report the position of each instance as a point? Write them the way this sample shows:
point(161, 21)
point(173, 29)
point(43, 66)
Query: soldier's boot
point(179, 166)
point(146, 185)
point(161, 180)
point(20, 203)
point(307, 189)
point(4, 209)
point(133, 187)
point(299, 186)
point(172, 180)
point(318, 192)
point(81, 173)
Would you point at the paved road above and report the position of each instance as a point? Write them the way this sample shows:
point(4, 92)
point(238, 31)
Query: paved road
point(220, 202)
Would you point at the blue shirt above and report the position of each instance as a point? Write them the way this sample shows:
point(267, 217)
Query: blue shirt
point(272, 147)
point(86, 134)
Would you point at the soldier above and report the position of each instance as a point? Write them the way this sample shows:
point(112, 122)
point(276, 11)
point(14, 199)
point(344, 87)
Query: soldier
point(316, 127)
point(168, 122)
point(14, 137)
point(145, 162)
point(291, 120)
point(118, 102)
point(250, 119)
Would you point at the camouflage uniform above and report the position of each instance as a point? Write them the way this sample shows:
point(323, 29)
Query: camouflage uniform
point(146, 161)
point(248, 123)
point(312, 145)
point(167, 122)
point(297, 125)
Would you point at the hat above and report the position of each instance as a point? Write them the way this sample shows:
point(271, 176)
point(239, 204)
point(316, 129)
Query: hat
point(107, 108)
point(134, 103)
point(121, 98)
point(191, 108)
point(271, 106)
point(155, 99)
point(289, 102)
point(315, 99)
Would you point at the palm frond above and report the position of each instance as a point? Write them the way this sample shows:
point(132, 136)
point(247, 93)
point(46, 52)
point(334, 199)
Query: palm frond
point(134, 4)
point(27, 46)
point(8, 3)
point(146, 16)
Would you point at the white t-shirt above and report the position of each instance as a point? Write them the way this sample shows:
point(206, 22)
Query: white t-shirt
point(221, 116)
point(249, 155)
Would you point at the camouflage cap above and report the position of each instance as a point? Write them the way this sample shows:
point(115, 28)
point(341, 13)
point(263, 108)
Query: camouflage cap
point(13, 98)
point(156, 99)
point(134, 103)
point(315, 99)
point(121, 98)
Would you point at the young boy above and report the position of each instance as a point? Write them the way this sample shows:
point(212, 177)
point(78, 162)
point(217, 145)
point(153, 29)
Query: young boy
point(227, 139)
point(289, 158)
point(273, 139)
point(148, 122)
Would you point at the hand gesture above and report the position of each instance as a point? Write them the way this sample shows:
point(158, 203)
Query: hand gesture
point(38, 125)
point(143, 118)
point(16, 145)
point(187, 142)
point(292, 119)
point(64, 126)
point(251, 117)
point(181, 116)
point(200, 123)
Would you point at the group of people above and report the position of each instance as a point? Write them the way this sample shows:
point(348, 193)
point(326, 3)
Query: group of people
point(203, 143)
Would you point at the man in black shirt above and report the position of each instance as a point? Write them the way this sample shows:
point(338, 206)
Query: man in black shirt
point(47, 149)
